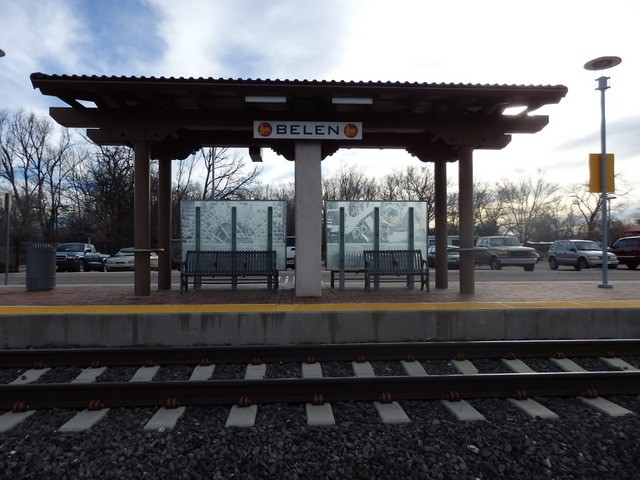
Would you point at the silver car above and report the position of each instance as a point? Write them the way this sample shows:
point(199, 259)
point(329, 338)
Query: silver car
point(578, 254)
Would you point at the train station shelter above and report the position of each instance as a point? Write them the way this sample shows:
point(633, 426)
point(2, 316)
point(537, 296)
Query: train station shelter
point(305, 121)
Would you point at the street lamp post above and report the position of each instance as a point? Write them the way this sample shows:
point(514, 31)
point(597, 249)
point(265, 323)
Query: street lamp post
point(7, 203)
point(603, 63)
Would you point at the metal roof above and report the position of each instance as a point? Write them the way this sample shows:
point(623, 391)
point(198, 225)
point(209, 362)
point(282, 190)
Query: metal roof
point(181, 115)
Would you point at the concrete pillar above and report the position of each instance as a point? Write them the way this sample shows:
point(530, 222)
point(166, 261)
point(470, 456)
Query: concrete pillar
point(465, 183)
point(308, 185)
point(141, 215)
point(440, 201)
point(164, 223)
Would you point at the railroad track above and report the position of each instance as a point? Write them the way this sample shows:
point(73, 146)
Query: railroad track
point(26, 393)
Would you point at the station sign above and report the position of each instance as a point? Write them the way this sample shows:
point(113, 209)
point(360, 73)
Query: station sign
point(307, 130)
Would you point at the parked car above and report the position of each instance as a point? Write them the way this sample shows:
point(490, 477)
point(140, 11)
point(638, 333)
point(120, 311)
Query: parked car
point(78, 257)
point(504, 251)
point(627, 249)
point(578, 254)
point(125, 260)
point(291, 252)
point(453, 257)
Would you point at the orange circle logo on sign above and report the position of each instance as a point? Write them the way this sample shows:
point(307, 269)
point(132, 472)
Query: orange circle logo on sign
point(350, 130)
point(265, 129)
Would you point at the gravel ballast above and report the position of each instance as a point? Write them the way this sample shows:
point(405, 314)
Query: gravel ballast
point(582, 444)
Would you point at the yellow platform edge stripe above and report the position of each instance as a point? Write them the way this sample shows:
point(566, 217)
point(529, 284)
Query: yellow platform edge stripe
point(326, 307)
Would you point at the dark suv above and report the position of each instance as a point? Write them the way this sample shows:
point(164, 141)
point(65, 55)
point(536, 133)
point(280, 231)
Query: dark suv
point(627, 249)
point(578, 254)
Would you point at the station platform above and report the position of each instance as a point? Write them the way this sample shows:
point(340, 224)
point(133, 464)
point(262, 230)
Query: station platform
point(111, 315)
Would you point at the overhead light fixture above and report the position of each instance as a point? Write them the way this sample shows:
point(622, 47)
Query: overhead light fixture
point(352, 100)
point(265, 99)
point(513, 111)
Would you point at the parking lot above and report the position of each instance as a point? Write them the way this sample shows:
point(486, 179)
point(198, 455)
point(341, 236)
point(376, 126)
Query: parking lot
point(542, 273)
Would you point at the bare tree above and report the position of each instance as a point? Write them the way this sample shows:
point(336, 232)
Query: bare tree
point(349, 184)
point(488, 208)
point(525, 202)
point(415, 184)
point(285, 191)
point(35, 166)
point(100, 203)
point(226, 175)
point(588, 205)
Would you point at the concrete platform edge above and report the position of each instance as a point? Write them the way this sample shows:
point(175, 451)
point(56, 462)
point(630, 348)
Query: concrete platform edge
point(296, 327)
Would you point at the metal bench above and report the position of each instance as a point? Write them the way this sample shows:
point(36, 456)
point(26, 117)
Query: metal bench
point(216, 266)
point(402, 265)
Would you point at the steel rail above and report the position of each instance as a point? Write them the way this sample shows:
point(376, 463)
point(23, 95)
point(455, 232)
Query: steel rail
point(225, 392)
point(21, 358)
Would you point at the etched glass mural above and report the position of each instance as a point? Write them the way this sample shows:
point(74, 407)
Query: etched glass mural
point(208, 225)
point(393, 233)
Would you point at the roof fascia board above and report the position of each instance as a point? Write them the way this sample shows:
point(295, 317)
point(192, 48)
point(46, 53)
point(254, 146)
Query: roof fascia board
point(96, 118)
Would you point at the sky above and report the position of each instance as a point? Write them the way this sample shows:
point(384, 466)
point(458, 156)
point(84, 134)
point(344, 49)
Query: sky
point(508, 42)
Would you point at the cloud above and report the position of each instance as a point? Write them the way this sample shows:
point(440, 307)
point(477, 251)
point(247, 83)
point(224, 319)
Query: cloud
point(244, 39)
point(462, 41)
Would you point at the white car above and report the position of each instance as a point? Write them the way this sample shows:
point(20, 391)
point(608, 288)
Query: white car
point(291, 252)
point(125, 260)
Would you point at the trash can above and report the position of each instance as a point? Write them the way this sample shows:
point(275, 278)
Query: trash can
point(41, 267)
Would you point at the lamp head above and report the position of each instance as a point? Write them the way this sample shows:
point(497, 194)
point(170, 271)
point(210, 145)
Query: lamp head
point(602, 63)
